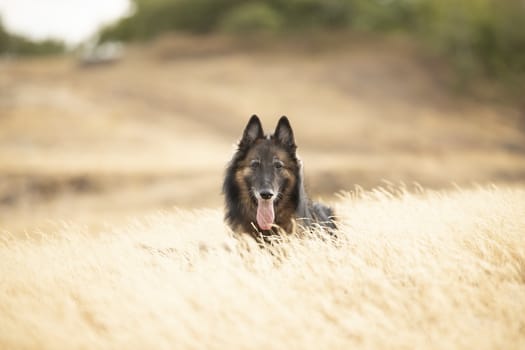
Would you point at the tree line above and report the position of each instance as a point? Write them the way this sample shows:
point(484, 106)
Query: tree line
point(18, 45)
point(478, 36)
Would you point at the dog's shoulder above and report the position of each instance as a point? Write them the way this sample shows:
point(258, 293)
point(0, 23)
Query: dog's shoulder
point(323, 214)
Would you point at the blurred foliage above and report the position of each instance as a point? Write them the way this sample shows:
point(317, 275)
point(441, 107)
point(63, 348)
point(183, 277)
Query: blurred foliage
point(18, 45)
point(481, 37)
point(253, 17)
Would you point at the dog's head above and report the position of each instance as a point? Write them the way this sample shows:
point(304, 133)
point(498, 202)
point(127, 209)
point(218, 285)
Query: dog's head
point(267, 168)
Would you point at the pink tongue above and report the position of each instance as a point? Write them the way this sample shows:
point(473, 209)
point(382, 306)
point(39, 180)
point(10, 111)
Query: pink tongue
point(265, 214)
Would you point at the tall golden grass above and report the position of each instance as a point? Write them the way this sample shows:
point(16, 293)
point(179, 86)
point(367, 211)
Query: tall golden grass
point(425, 270)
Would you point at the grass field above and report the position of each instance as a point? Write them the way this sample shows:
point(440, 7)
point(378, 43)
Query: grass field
point(426, 270)
point(106, 173)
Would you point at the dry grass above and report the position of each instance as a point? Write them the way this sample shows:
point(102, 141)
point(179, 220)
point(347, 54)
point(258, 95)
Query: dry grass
point(432, 270)
point(95, 146)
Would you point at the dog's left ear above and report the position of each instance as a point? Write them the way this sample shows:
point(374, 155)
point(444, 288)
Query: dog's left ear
point(284, 133)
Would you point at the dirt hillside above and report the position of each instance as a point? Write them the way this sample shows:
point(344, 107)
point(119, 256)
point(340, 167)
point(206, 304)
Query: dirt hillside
point(155, 130)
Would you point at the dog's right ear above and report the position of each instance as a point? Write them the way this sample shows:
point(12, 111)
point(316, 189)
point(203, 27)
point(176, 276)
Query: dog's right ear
point(252, 132)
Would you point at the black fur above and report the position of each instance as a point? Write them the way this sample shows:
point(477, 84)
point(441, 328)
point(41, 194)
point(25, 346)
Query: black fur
point(274, 166)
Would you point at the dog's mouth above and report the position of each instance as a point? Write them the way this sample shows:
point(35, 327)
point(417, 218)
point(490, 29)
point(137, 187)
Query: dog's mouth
point(265, 213)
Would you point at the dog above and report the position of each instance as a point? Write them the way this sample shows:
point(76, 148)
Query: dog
point(264, 188)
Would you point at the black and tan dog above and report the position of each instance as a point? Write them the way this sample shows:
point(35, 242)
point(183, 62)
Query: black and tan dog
point(264, 188)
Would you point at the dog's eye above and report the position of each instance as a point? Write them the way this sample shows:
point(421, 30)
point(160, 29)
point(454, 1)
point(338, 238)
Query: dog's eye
point(255, 163)
point(278, 164)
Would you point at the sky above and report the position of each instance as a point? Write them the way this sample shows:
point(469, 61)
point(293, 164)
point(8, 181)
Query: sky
point(70, 20)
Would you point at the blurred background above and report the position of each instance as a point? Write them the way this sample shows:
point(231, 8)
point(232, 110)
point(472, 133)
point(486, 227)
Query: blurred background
point(110, 109)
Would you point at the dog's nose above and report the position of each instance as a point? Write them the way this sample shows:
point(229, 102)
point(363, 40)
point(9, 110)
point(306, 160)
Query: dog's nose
point(266, 194)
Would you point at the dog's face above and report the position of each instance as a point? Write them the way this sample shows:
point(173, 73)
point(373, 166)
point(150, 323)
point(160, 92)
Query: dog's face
point(268, 171)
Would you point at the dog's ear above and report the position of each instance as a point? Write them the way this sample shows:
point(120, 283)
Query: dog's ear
point(284, 133)
point(252, 132)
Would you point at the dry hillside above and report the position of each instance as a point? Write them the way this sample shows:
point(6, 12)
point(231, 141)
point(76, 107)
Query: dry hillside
point(153, 131)
point(104, 171)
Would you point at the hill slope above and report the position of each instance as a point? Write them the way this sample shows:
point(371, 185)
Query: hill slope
point(434, 270)
point(155, 130)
